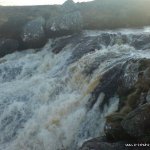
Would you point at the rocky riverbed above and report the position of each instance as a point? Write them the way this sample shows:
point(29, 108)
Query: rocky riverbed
point(66, 88)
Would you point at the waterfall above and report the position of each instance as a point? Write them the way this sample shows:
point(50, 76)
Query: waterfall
point(44, 97)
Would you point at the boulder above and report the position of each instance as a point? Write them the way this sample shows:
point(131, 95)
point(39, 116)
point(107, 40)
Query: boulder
point(64, 24)
point(69, 6)
point(101, 143)
point(137, 122)
point(113, 128)
point(8, 46)
point(33, 34)
point(13, 26)
point(91, 43)
point(59, 43)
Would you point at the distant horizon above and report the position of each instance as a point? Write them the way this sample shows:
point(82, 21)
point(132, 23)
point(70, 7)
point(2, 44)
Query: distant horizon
point(33, 2)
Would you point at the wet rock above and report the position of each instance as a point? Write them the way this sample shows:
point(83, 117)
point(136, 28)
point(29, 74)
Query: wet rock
point(113, 128)
point(33, 35)
point(130, 73)
point(143, 64)
point(86, 45)
point(137, 122)
point(109, 39)
point(60, 43)
point(8, 46)
point(96, 144)
point(108, 85)
point(106, 38)
point(127, 80)
point(64, 25)
point(102, 143)
point(141, 41)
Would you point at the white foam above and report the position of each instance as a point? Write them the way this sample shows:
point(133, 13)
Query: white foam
point(44, 105)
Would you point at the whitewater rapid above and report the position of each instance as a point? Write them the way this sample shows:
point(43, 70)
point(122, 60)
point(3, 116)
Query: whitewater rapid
point(43, 97)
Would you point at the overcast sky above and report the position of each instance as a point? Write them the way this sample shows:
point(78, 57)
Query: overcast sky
point(34, 2)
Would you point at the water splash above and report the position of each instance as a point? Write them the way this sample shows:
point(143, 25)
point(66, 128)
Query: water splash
point(43, 98)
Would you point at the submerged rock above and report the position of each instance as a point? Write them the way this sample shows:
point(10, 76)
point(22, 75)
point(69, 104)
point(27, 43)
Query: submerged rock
point(33, 34)
point(8, 46)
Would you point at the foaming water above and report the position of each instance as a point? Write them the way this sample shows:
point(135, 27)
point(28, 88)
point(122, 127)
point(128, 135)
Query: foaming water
point(43, 99)
point(144, 30)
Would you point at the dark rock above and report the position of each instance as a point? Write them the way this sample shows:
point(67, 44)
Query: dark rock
point(13, 26)
point(102, 143)
point(143, 64)
point(64, 24)
point(127, 80)
point(8, 46)
point(96, 144)
point(147, 46)
point(113, 128)
point(33, 35)
point(60, 43)
point(119, 39)
point(109, 39)
point(137, 122)
point(106, 38)
point(108, 85)
point(86, 45)
point(141, 41)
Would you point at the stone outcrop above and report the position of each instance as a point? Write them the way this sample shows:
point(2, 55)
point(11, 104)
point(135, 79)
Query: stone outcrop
point(33, 34)
point(64, 25)
point(68, 22)
point(113, 128)
point(31, 26)
point(137, 122)
point(131, 122)
point(8, 46)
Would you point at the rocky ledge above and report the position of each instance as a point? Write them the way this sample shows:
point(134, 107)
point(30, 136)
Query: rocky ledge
point(130, 124)
point(31, 26)
point(31, 29)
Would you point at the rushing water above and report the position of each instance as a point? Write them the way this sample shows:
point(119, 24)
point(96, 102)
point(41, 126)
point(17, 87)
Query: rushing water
point(43, 98)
